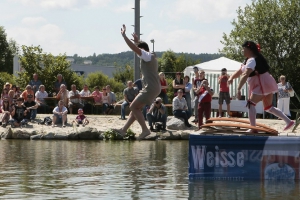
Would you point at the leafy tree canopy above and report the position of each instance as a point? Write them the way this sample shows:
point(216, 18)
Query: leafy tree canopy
point(47, 66)
point(7, 51)
point(275, 25)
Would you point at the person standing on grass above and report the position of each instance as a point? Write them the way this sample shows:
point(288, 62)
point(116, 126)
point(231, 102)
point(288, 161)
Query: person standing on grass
point(224, 92)
point(262, 85)
point(152, 88)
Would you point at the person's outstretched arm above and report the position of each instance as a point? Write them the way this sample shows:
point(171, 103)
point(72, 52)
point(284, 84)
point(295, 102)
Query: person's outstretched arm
point(131, 45)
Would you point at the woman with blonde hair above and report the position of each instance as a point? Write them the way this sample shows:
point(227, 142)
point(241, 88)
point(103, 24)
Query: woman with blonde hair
point(283, 95)
point(164, 87)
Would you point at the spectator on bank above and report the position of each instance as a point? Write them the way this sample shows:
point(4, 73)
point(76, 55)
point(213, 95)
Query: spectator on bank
point(97, 96)
point(18, 113)
point(224, 92)
point(35, 83)
point(31, 108)
point(105, 99)
point(7, 86)
point(11, 97)
point(39, 98)
point(187, 89)
point(58, 83)
point(75, 101)
point(164, 87)
point(178, 83)
point(157, 113)
point(205, 94)
point(112, 100)
point(18, 92)
point(129, 94)
point(4, 94)
point(6, 111)
point(63, 94)
point(86, 93)
point(81, 119)
point(14, 88)
point(28, 91)
point(60, 114)
point(196, 85)
point(283, 96)
point(180, 108)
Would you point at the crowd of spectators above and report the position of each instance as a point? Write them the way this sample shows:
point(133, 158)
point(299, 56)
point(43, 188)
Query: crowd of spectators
point(18, 107)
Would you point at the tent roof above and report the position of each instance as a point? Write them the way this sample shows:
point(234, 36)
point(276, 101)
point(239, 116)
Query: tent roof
point(217, 64)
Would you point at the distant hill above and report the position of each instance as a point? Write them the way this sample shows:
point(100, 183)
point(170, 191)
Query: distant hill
point(123, 58)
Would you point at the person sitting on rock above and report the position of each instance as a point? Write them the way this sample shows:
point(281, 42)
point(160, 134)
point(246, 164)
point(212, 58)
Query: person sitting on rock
point(31, 107)
point(60, 114)
point(19, 113)
point(81, 118)
point(157, 113)
point(180, 108)
point(6, 110)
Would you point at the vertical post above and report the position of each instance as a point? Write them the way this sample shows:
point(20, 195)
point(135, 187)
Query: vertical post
point(152, 41)
point(137, 32)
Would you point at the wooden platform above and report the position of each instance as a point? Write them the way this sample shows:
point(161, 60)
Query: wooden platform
point(237, 126)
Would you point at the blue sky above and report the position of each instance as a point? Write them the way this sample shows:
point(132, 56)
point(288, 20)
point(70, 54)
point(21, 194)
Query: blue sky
point(93, 26)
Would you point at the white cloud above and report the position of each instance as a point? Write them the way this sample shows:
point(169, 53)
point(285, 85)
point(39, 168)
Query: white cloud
point(206, 11)
point(185, 41)
point(30, 21)
point(64, 4)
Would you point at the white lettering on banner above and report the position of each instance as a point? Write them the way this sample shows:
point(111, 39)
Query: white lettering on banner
point(217, 158)
point(198, 153)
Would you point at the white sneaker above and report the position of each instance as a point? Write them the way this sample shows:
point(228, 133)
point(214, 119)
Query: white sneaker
point(220, 116)
point(228, 116)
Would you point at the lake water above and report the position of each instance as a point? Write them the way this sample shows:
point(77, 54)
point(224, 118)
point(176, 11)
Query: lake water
point(116, 170)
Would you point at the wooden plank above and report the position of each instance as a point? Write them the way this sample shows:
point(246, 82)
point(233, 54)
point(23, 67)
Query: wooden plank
point(245, 126)
point(218, 119)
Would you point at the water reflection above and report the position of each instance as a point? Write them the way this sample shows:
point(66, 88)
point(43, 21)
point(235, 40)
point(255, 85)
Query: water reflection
point(93, 169)
point(116, 170)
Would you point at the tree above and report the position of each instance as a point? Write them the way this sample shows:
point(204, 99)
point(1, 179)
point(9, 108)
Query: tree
point(123, 74)
point(7, 52)
point(275, 25)
point(47, 66)
point(171, 63)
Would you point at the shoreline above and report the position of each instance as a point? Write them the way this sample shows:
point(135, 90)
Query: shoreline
point(102, 123)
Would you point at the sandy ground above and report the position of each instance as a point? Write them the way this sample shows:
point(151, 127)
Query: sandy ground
point(106, 122)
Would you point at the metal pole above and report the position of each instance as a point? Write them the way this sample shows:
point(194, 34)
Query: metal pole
point(137, 32)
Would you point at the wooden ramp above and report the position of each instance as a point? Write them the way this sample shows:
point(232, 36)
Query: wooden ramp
point(237, 126)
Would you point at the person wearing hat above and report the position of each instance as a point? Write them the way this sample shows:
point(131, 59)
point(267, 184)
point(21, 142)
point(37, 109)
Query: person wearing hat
point(157, 113)
point(7, 86)
point(224, 92)
point(178, 84)
point(31, 108)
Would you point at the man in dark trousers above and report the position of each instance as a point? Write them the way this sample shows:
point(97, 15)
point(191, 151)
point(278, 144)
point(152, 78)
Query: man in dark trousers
point(157, 113)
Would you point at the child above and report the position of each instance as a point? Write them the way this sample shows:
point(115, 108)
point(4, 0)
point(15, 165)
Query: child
point(81, 118)
point(205, 94)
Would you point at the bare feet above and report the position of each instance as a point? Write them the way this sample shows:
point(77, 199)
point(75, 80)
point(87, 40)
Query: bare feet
point(120, 132)
point(144, 134)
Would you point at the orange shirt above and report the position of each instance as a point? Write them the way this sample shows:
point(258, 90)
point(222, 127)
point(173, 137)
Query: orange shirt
point(25, 94)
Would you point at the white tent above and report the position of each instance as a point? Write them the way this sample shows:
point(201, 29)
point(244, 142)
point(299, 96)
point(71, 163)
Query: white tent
point(215, 66)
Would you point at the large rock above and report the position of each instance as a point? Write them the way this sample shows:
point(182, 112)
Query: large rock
point(176, 124)
point(36, 137)
point(20, 134)
point(152, 136)
point(86, 133)
point(7, 134)
point(185, 135)
point(170, 135)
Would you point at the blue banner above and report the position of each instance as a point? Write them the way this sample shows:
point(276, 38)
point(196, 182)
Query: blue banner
point(243, 157)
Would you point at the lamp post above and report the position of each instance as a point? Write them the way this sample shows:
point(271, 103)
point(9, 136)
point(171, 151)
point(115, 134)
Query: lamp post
point(152, 41)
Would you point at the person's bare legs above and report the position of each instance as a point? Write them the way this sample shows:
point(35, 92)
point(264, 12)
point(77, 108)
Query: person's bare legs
point(220, 110)
point(228, 110)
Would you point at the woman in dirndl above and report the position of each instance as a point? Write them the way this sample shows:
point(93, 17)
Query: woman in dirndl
point(262, 86)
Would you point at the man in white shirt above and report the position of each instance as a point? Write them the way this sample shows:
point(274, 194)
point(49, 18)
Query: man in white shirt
point(75, 101)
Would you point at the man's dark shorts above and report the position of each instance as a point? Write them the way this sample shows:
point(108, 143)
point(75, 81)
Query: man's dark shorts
point(224, 96)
